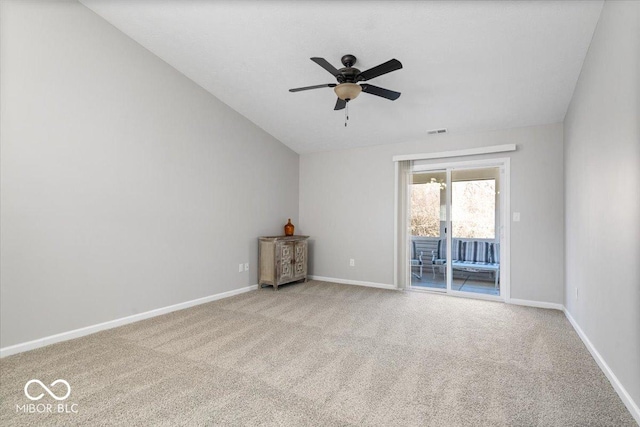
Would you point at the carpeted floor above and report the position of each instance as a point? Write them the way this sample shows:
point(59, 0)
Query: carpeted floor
point(324, 354)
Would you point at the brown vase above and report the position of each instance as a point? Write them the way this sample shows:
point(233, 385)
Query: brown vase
point(288, 228)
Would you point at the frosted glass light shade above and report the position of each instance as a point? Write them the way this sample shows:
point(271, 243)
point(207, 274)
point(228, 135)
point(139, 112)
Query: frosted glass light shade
point(347, 91)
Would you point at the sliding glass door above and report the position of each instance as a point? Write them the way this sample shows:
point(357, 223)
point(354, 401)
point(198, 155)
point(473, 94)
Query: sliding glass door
point(455, 229)
point(428, 218)
point(475, 221)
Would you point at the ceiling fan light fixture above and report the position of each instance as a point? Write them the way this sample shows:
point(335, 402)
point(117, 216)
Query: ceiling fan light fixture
point(347, 91)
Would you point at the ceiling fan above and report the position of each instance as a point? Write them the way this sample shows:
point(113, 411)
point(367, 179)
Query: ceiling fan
point(348, 77)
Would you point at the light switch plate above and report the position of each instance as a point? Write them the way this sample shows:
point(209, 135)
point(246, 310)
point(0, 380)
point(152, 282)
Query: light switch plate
point(240, 268)
point(516, 216)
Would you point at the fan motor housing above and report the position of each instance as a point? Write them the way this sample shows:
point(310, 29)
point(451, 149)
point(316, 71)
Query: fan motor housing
point(348, 75)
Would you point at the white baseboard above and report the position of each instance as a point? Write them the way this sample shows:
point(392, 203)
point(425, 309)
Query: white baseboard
point(538, 304)
point(617, 386)
point(353, 282)
point(77, 333)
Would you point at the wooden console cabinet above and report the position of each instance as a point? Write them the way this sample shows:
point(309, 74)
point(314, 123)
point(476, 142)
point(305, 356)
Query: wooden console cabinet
point(282, 259)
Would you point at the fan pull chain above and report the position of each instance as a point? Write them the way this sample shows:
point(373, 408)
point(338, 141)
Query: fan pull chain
point(346, 114)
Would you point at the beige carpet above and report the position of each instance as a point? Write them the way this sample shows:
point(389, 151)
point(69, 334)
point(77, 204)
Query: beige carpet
point(324, 354)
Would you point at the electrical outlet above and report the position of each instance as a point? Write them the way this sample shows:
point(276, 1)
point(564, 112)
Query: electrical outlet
point(352, 262)
point(240, 268)
point(246, 266)
point(516, 216)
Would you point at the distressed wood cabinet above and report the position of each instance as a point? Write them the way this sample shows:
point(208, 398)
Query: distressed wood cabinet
point(282, 259)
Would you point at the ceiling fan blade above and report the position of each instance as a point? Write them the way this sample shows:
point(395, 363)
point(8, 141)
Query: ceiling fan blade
point(387, 67)
point(325, 64)
point(298, 89)
point(340, 104)
point(379, 91)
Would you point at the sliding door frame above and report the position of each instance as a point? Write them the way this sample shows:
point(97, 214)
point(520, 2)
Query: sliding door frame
point(503, 164)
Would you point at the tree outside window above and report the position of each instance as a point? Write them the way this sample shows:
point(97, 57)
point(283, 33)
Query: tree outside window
point(425, 210)
point(473, 209)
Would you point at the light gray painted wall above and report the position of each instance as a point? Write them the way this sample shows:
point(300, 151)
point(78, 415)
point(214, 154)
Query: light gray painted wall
point(125, 186)
point(602, 172)
point(347, 206)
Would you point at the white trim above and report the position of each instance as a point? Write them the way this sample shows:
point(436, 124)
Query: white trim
point(464, 164)
point(617, 386)
point(395, 224)
point(354, 282)
point(537, 304)
point(457, 153)
point(81, 332)
point(505, 222)
point(447, 226)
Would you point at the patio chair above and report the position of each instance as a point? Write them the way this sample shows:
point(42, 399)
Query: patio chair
point(416, 260)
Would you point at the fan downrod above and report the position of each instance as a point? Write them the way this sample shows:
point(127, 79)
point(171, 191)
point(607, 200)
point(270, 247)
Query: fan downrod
point(348, 60)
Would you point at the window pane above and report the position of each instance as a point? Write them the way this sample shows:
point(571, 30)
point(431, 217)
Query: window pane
point(425, 210)
point(473, 209)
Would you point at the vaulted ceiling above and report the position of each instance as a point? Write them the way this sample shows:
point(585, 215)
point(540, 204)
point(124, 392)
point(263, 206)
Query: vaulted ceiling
point(468, 65)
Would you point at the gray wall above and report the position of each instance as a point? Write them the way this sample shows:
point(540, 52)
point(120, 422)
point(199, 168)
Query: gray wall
point(347, 206)
point(125, 186)
point(602, 171)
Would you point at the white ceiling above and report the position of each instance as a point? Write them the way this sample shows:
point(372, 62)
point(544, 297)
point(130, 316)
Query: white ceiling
point(468, 65)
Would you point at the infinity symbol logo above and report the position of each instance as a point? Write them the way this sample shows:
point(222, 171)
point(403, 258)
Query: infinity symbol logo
point(38, 397)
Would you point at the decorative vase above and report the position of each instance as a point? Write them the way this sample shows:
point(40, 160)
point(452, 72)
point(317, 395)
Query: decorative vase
point(288, 228)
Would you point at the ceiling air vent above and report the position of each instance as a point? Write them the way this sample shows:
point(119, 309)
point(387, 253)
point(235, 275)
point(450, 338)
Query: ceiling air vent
point(436, 131)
